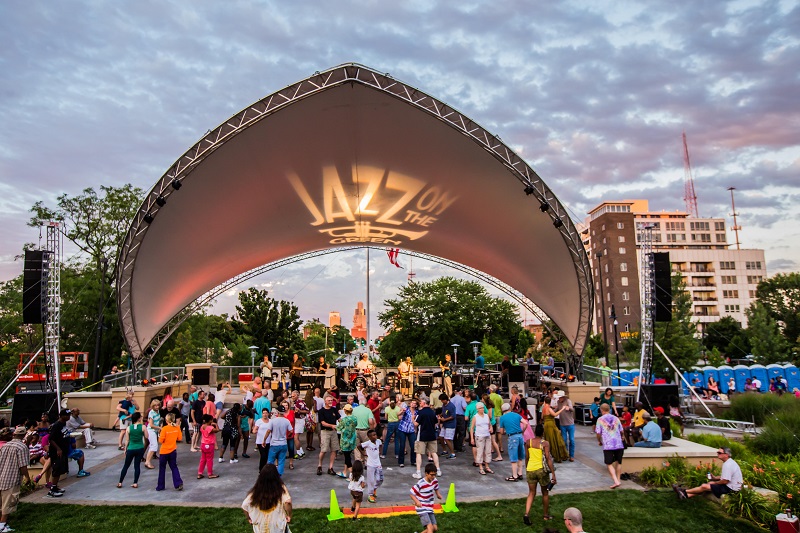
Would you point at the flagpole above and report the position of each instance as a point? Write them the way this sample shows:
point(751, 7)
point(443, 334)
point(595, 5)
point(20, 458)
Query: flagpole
point(367, 306)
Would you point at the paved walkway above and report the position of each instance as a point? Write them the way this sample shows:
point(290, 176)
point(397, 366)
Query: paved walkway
point(587, 473)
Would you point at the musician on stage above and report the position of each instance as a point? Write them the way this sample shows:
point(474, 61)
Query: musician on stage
point(505, 368)
point(266, 369)
point(295, 371)
point(447, 375)
point(406, 370)
point(364, 366)
point(321, 366)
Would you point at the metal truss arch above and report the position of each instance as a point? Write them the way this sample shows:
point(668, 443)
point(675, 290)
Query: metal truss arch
point(179, 175)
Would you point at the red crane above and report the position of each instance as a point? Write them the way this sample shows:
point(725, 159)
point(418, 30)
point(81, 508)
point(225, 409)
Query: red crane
point(688, 183)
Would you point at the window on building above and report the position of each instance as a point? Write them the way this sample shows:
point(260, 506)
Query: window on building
point(729, 280)
point(727, 265)
point(626, 296)
point(607, 283)
point(732, 308)
point(752, 265)
point(604, 240)
point(699, 226)
point(623, 281)
point(754, 280)
point(656, 237)
point(701, 237)
point(675, 226)
point(627, 328)
point(752, 294)
point(623, 267)
point(622, 251)
point(621, 238)
point(730, 294)
point(603, 227)
point(719, 225)
point(626, 311)
point(620, 225)
point(606, 268)
point(720, 237)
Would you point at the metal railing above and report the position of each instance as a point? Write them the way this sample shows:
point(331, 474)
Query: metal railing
point(717, 423)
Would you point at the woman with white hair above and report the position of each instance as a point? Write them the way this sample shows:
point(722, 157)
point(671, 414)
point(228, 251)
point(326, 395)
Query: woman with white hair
point(480, 432)
point(153, 429)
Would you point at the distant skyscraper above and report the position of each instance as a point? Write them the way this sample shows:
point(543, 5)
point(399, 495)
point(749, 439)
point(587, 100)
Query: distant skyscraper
point(359, 330)
point(334, 319)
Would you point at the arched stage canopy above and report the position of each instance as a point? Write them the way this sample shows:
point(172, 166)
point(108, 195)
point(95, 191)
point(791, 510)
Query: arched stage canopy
point(347, 157)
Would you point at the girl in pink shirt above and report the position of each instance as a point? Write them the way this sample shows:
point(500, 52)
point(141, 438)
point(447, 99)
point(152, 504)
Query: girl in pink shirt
point(208, 440)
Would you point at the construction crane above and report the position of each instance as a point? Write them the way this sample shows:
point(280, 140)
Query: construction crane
point(688, 182)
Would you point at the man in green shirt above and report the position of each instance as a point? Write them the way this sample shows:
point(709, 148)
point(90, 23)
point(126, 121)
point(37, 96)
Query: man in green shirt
point(365, 421)
point(392, 412)
point(497, 404)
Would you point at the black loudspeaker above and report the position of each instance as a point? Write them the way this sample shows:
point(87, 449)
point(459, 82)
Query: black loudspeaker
point(658, 396)
point(31, 405)
point(560, 366)
point(201, 376)
point(425, 381)
point(516, 373)
point(663, 286)
point(32, 301)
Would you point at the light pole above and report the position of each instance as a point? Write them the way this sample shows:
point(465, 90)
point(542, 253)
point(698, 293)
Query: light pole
point(253, 350)
point(272, 351)
point(598, 255)
point(475, 345)
point(616, 341)
point(455, 348)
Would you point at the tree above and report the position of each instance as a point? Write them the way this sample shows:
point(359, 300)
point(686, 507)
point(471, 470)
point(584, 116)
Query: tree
point(678, 337)
point(431, 316)
point(343, 342)
point(269, 323)
point(721, 335)
point(595, 349)
point(780, 296)
point(769, 346)
point(525, 340)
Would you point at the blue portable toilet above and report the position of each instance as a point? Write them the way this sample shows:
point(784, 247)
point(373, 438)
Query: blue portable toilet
point(775, 371)
point(760, 372)
point(625, 378)
point(710, 372)
point(741, 373)
point(792, 376)
point(635, 373)
point(725, 374)
point(614, 379)
point(684, 387)
point(696, 373)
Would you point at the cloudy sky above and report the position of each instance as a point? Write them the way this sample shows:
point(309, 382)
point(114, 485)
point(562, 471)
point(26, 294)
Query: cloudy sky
point(594, 95)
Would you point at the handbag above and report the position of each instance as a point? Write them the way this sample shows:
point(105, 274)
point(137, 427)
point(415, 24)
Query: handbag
point(546, 463)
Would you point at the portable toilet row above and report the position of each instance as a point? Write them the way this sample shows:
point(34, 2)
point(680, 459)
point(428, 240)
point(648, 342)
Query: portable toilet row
point(725, 375)
point(792, 376)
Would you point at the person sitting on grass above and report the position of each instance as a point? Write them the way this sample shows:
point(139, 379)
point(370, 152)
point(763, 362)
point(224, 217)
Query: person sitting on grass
point(651, 433)
point(729, 480)
point(573, 519)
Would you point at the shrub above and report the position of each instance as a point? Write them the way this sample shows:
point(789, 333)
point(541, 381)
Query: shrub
point(776, 439)
point(698, 475)
point(675, 427)
point(760, 407)
point(658, 477)
point(740, 451)
point(750, 505)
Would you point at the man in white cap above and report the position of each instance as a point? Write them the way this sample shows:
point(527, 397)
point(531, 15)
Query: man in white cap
point(13, 466)
point(511, 424)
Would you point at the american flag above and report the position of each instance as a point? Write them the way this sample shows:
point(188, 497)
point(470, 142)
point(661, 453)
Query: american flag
point(392, 253)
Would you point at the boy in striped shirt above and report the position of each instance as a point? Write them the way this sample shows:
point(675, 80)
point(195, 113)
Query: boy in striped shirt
point(422, 495)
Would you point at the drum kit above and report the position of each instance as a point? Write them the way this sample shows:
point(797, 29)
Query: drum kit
point(356, 378)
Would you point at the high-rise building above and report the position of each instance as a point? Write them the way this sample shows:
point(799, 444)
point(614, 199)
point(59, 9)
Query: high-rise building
point(334, 319)
point(359, 330)
point(721, 281)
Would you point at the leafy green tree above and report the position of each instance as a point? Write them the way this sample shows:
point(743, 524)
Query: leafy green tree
point(431, 316)
point(269, 323)
point(769, 345)
point(595, 349)
point(490, 353)
point(678, 338)
point(780, 296)
point(525, 340)
point(342, 341)
point(720, 334)
point(185, 349)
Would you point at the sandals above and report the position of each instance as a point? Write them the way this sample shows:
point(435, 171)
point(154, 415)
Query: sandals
point(149, 467)
point(514, 479)
point(488, 471)
point(213, 476)
point(135, 486)
point(547, 517)
point(200, 476)
point(119, 485)
point(483, 473)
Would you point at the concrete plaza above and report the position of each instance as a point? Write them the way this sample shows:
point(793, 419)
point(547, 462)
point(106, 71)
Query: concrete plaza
point(587, 473)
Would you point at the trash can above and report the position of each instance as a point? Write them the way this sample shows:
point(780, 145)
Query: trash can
point(245, 376)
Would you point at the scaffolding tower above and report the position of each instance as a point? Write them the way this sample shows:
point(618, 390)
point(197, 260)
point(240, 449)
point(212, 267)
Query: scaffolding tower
point(51, 268)
point(648, 303)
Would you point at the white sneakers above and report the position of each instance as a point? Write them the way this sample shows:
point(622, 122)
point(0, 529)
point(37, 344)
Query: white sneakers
point(220, 459)
point(416, 475)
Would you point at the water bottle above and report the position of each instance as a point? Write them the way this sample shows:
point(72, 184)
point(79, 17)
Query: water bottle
point(709, 475)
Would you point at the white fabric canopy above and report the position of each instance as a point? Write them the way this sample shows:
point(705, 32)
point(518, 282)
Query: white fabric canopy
point(348, 160)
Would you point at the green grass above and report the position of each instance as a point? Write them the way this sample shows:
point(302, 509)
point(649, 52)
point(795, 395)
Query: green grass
point(623, 510)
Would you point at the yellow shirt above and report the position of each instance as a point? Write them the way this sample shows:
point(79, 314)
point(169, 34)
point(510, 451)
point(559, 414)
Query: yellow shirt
point(638, 418)
point(534, 459)
point(170, 435)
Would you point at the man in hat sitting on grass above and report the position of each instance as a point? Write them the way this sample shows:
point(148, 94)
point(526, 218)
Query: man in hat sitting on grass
point(729, 480)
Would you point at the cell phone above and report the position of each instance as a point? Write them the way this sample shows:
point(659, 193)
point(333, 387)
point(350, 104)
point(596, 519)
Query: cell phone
point(550, 486)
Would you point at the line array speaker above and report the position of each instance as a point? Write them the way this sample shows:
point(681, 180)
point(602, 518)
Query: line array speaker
point(34, 292)
point(663, 286)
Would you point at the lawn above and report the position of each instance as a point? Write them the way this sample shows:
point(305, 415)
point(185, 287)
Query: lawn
point(608, 511)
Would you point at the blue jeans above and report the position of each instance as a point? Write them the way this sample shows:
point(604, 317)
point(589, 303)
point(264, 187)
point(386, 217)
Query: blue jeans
point(568, 434)
point(401, 454)
point(391, 429)
point(170, 459)
point(645, 444)
point(279, 453)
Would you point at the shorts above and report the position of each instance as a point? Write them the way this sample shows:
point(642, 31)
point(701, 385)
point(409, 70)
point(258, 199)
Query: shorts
point(75, 454)
point(448, 433)
point(60, 464)
point(516, 448)
point(718, 490)
point(613, 456)
point(538, 476)
point(10, 499)
point(299, 425)
point(423, 447)
point(124, 422)
point(152, 437)
point(328, 441)
point(358, 495)
point(427, 518)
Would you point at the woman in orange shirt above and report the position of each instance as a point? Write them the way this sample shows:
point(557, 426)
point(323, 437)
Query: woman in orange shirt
point(169, 438)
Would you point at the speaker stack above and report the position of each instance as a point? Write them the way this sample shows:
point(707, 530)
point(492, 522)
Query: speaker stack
point(663, 286)
point(34, 288)
point(31, 405)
